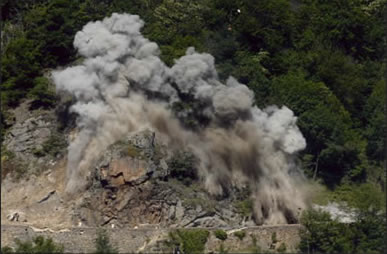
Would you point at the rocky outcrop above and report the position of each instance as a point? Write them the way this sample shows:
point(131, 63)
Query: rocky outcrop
point(33, 142)
point(132, 182)
point(26, 136)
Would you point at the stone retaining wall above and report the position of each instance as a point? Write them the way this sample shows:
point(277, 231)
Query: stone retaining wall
point(150, 239)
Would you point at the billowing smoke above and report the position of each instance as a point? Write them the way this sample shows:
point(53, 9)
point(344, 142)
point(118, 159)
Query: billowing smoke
point(122, 86)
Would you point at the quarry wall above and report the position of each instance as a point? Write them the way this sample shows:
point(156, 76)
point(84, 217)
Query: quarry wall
point(151, 239)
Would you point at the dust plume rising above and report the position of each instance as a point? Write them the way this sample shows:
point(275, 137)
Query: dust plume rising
point(122, 86)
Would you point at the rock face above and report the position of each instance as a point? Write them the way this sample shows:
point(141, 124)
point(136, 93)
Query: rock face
point(126, 171)
point(31, 141)
point(132, 183)
point(133, 186)
point(30, 134)
point(131, 161)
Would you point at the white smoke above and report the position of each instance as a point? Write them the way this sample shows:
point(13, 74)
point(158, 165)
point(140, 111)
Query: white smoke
point(122, 86)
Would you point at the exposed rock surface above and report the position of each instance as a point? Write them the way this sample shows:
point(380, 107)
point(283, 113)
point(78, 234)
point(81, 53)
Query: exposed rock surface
point(32, 141)
point(30, 130)
point(132, 184)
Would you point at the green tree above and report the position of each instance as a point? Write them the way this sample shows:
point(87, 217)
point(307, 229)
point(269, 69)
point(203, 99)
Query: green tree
point(249, 70)
point(374, 112)
point(345, 78)
point(346, 25)
point(20, 63)
point(191, 240)
point(264, 24)
point(337, 148)
point(183, 167)
point(220, 234)
point(43, 93)
point(322, 234)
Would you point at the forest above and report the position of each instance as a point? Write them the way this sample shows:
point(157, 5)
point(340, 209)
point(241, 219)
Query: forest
point(325, 60)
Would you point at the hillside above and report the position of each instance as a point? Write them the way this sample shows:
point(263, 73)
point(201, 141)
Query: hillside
point(196, 114)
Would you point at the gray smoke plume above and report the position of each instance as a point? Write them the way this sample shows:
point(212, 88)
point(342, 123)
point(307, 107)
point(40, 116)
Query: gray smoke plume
point(122, 86)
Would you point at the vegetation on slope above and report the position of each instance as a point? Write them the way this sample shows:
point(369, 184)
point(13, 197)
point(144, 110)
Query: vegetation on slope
point(38, 245)
point(365, 235)
point(321, 59)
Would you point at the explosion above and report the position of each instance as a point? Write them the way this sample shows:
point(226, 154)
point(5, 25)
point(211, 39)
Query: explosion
point(123, 86)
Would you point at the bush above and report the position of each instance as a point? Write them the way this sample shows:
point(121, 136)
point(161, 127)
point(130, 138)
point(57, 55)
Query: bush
point(240, 234)
point(53, 146)
point(192, 241)
point(102, 243)
point(182, 166)
point(274, 237)
point(37, 245)
point(220, 234)
point(43, 93)
point(282, 248)
point(245, 207)
point(10, 163)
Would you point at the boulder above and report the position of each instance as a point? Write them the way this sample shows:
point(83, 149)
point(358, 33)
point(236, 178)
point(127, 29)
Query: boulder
point(126, 170)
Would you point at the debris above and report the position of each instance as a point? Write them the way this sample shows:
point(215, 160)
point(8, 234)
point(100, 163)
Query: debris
point(48, 196)
point(13, 216)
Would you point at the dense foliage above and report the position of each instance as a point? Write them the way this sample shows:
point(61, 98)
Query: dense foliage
point(182, 165)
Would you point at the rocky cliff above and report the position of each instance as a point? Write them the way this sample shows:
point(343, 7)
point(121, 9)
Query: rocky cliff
point(138, 190)
point(136, 181)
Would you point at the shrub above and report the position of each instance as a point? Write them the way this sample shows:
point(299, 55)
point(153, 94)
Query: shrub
point(54, 145)
point(6, 250)
point(245, 207)
point(12, 164)
point(220, 234)
point(43, 93)
point(191, 240)
point(37, 245)
point(282, 248)
point(240, 234)
point(206, 203)
point(182, 165)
